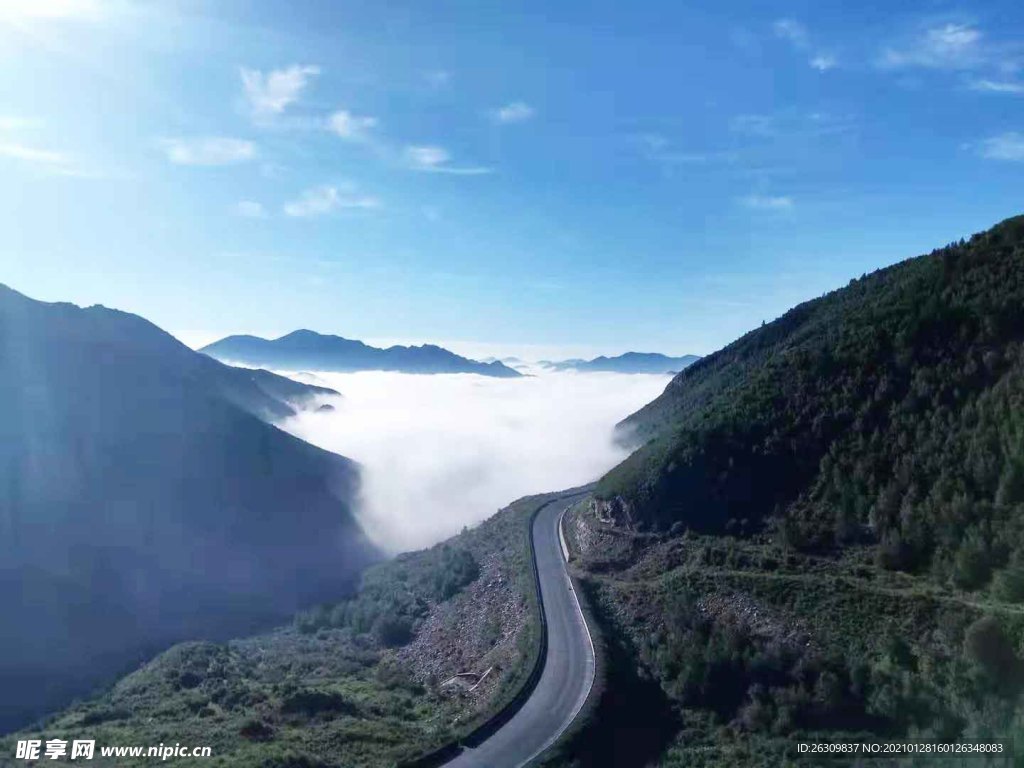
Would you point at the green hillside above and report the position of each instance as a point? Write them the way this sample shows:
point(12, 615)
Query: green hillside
point(820, 537)
point(888, 411)
point(364, 682)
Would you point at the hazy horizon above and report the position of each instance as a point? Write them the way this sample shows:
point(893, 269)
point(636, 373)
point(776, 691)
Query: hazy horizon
point(475, 350)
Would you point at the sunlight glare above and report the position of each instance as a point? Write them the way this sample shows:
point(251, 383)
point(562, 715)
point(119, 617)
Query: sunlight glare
point(17, 10)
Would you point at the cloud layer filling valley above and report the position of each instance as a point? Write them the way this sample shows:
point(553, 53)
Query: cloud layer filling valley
point(442, 452)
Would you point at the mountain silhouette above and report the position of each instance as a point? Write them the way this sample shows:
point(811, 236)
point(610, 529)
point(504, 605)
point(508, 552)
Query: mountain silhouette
point(301, 350)
point(144, 499)
point(630, 362)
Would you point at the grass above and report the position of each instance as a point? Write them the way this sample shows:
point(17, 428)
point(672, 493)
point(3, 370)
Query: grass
point(344, 693)
point(749, 648)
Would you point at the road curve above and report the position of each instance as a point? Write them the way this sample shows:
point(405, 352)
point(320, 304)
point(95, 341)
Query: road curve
point(568, 669)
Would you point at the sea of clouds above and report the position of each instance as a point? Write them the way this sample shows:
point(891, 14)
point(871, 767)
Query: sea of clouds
point(440, 452)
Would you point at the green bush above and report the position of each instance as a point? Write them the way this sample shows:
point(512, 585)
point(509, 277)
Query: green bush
point(394, 596)
point(312, 702)
point(391, 630)
point(986, 645)
point(1008, 584)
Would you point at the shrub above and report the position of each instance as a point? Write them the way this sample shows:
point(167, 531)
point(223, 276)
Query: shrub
point(256, 730)
point(972, 564)
point(1008, 584)
point(392, 630)
point(312, 702)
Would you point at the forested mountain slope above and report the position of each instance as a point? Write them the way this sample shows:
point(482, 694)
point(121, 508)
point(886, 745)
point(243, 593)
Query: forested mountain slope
point(891, 411)
point(143, 501)
point(820, 539)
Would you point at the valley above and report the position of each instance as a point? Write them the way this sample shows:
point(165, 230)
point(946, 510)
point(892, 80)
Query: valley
point(815, 539)
point(511, 385)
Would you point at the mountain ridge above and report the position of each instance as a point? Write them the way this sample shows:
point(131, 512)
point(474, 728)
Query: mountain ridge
point(819, 538)
point(304, 349)
point(627, 362)
point(142, 493)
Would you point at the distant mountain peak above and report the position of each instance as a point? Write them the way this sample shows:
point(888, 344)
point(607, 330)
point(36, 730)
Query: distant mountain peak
point(308, 350)
point(628, 362)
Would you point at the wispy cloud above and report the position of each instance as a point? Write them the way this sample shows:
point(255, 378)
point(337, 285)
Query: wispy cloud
point(250, 209)
point(429, 158)
point(29, 154)
point(49, 161)
point(326, 199)
point(513, 112)
point(796, 34)
point(660, 149)
point(791, 124)
point(766, 126)
point(1015, 87)
point(351, 127)
point(791, 30)
point(434, 159)
point(208, 151)
point(271, 92)
point(1006, 146)
point(946, 46)
point(823, 62)
point(768, 202)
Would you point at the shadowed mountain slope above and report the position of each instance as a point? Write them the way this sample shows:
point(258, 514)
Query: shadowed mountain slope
point(143, 500)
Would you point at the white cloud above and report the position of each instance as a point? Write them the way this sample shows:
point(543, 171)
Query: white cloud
point(952, 39)
point(35, 155)
point(998, 86)
point(320, 201)
point(766, 126)
point(208, 151)
point(793, 125)
point(513, 112)
point(660, 150)
point(1005, 146)
point(653, 142)
point(18, 150)
point(949, 46)
point(823, 62)
point(349, 126)
point(270, 93)
point(434, 159)
point(427, 156)
point(768, 202)
point(250, 209)
point(796, 34)
point(414, 494)
point(792, 31)
point(48, 161)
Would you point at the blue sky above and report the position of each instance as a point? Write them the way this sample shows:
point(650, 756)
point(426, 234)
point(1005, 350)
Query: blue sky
point(572, 177)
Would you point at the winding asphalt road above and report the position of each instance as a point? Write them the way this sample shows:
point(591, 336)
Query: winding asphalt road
point(568, 670)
